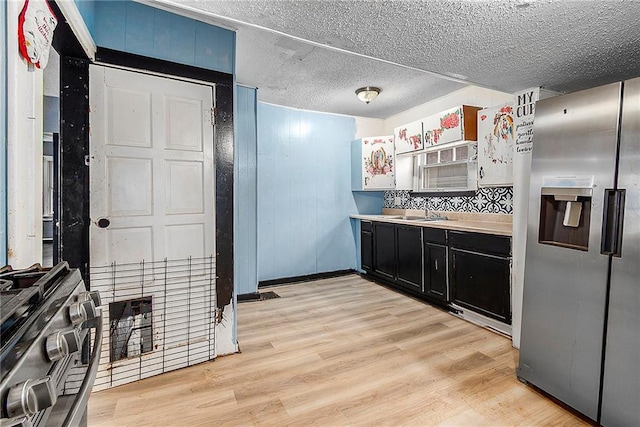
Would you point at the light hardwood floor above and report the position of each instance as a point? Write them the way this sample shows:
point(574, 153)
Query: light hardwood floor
point(341, 352)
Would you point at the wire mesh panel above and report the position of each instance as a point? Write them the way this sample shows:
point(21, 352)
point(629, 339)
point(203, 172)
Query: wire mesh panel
point(161, 317)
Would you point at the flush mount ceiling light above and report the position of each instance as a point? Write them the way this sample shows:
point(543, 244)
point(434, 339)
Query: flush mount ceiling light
point(367, 94)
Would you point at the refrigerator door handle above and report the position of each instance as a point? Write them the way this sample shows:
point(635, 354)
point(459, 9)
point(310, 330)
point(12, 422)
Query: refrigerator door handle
point(612, 222)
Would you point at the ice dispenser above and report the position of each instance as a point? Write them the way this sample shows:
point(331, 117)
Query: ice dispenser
point(564, 217)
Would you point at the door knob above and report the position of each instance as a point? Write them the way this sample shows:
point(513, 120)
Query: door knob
point(103, 223)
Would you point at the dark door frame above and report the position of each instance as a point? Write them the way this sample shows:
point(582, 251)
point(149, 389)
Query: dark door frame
point(74, 193)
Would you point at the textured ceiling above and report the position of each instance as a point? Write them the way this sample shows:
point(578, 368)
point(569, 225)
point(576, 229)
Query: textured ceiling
point(296, 74)
point(314, 54)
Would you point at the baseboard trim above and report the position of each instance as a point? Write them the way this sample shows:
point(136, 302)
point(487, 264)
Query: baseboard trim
point(303, 279)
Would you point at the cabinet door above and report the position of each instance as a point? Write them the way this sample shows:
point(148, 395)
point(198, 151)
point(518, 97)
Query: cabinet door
point(435, 271)
point(404, 172)
point(496, 136)
point(384, 248)
point(409, 257)
point(378, 165)
point(408, 137)
point(454, 124)
point(443, 127)
point(481, 282)
point(366, 248)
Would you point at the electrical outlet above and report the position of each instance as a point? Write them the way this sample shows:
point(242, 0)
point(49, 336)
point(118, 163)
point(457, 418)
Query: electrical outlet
point(398, 201)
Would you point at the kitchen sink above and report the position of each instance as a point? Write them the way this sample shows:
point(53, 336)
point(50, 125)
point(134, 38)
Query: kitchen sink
point(413, 218)
point(436, 218)
point(422, 218)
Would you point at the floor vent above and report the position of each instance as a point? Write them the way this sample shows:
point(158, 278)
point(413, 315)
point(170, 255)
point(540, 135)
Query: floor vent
point(257, 296)
point(268, 295)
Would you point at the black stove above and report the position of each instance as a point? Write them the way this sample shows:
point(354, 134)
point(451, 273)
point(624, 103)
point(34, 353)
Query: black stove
point(46, 316)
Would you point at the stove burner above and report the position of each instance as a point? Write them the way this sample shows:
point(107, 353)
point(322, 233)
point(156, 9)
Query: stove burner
point(46, 315)
point(21, 293)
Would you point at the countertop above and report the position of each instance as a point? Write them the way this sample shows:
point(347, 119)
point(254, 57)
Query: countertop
point(497, 224)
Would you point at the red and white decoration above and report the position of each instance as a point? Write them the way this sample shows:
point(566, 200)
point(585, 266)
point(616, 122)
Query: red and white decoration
point(36, 24)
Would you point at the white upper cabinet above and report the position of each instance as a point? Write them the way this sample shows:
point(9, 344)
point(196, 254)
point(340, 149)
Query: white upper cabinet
point(408, 137)
point(496, 136)
point(455, 124)
point(405, 172)
point(373, 164)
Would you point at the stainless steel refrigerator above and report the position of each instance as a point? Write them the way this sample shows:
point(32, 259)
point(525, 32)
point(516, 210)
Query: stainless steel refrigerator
point(580, 337)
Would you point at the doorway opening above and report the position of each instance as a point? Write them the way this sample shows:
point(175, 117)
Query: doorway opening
point(50, 160)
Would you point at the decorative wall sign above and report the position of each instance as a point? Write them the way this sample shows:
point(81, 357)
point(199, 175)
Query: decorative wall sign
point(525, 110)
point(36, 24)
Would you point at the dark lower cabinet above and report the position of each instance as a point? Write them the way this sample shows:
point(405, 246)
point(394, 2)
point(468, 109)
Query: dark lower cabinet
point(435, 264)
point(397, 254)
point(481, 281)
point(366, 246)
point(384, 249)
point(435, 271)
point(472, 270)
point(409, 257)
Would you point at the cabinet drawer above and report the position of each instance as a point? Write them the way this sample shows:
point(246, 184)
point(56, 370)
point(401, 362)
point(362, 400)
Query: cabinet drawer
point(434, 235)
point(365, 225)
point(478, 242)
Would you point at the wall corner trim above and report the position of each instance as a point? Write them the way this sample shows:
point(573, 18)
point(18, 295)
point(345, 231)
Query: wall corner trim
point(78, 26)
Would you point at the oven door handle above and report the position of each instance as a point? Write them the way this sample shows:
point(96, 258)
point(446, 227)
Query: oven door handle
point(79, 406)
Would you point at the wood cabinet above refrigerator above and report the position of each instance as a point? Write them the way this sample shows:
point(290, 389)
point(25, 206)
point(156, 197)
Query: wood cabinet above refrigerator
point(373, 164)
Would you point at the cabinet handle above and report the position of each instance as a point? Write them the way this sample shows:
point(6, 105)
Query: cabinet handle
point(436, 265)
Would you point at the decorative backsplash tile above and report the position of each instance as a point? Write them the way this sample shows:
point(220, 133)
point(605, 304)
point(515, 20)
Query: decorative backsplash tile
point(486, 200)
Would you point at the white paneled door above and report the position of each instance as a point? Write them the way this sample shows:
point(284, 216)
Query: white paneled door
point(152, 220)
point(151, 179)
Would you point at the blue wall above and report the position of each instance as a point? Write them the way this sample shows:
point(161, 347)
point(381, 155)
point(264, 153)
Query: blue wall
point(3, 134)
point(304, 192)
point(245, 195)
point(87, 10)
point(136, 28)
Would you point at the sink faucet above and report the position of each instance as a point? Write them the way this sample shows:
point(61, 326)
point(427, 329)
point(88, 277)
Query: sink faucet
point(431, 215)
